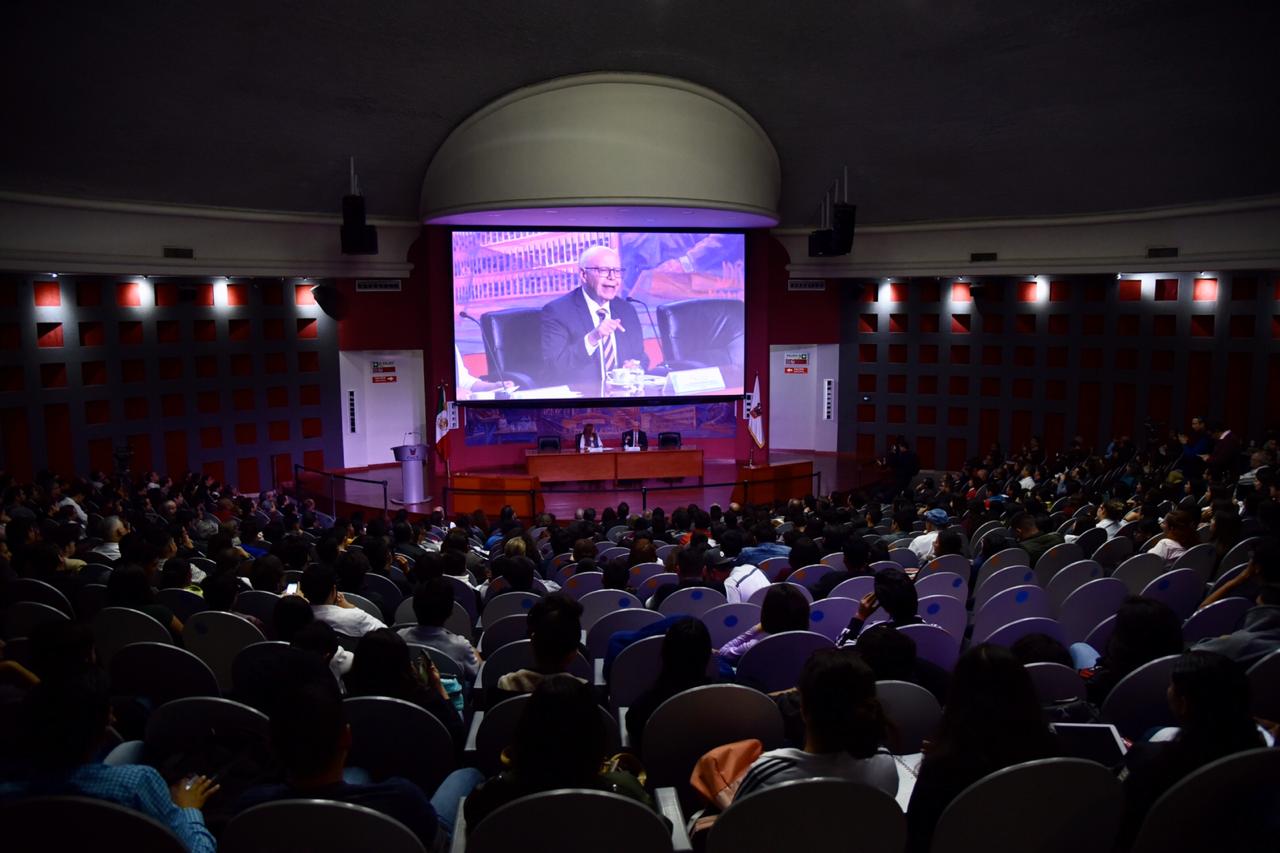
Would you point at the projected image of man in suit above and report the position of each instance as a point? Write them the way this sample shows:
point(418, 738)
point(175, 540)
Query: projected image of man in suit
point(591, 330)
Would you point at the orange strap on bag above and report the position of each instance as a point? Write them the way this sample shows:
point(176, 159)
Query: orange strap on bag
point(717, 774)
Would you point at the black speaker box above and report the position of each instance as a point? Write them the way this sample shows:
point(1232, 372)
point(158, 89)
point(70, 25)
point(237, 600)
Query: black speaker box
point(358, 238)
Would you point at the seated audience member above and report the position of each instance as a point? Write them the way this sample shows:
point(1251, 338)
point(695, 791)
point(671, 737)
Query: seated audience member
point(1209, 696)
point(745, 578)
point(1030, 539)
point(268, 574)
point(845, 729)
point(1110, 517)
point(64, 723)
point(432, 606)
point(904, 521)
point(803, 553)
point(895, 592)
point(1263, 569)
point(923, 545)
point(559, 742)
point(176, 574)
point(518, 574)
point(555, 629)
point(1180, 536)
point(616, 573)
point(127, 586)
point(311, 738)
point(691, 564)
point(1041, 648)
point(784, 609)
point(686, 650)
point(409, 540)
point(351, 568)
point(891, 655)
point(992, 720)
point(220, 593)
point(949, 542)
point(1145, 629)
point(114, 529)
point(1258, 637)
point(762, 545)
point(857, 557)
point(320, 587)
point(384, 665)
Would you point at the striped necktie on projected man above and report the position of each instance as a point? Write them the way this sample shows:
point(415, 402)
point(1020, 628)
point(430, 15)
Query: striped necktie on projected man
point(608, 348)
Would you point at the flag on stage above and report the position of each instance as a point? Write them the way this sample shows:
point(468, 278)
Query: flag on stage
point(755, 415)
point(443, 424)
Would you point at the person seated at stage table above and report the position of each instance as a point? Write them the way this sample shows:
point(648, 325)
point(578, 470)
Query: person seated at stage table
point(587, 438)
point(635, 437)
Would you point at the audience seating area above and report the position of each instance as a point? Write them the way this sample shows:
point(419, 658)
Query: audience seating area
point(1081, 566)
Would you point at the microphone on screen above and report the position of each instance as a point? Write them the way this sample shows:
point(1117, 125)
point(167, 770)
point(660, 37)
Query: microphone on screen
point(654, 326)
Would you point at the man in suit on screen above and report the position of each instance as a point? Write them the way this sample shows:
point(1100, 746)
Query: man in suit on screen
point(591, 329)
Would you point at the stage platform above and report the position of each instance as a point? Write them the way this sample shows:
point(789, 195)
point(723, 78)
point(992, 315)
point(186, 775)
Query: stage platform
point(342, 495)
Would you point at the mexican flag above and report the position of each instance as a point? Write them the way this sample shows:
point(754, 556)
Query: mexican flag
point(443, 424)
point(755, 415)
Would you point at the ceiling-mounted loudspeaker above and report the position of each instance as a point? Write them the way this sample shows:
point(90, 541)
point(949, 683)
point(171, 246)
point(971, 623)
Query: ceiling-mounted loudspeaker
point(329, 300)
point(358, 237)
point(838, 239)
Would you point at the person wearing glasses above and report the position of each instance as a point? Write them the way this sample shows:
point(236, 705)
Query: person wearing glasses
point(592, 330)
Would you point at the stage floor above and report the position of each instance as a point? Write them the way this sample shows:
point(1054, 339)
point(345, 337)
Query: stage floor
point(342, 495)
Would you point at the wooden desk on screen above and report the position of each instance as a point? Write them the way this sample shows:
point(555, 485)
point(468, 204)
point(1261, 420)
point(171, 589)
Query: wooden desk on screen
point(563, 466)
point(789, 480)
point(522, 493)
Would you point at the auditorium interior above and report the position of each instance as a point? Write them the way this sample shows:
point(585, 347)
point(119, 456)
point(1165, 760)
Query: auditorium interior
point(854, 422)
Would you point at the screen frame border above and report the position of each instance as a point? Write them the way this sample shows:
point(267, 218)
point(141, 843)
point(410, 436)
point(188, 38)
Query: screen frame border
point(594, 402)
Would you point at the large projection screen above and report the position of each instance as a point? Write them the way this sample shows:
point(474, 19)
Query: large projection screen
point(597, 315)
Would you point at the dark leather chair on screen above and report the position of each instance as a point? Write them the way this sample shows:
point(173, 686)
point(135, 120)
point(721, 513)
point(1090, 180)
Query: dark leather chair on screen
point(703, 333)
point(513, 345)
point(669, 441)
point(548, 442)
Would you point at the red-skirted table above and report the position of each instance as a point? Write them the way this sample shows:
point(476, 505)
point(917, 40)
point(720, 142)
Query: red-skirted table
point(564, 466)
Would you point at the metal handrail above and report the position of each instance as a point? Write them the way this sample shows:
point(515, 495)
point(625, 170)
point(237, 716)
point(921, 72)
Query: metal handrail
point(644, 490)
point(333, 496)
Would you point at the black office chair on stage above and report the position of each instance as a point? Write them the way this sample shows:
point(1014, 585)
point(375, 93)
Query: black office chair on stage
point(669, 441)
point(548, 442)
point(703, 333)
point(513, 345)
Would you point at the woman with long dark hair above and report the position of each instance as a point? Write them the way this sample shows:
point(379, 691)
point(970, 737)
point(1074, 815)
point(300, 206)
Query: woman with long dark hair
point(1145, 629)
point(686, 651)
point(992, 720)
point(384, 666)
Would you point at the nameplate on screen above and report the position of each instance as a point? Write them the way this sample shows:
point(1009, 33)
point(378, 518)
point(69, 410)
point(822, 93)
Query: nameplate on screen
point(697, 381)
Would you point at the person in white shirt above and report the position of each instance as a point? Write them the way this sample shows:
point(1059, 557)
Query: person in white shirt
point(320, 588)
point(922, 546)
point(588, 437)
point(1180, 535)
point(845, 728)
point(432, 605)
point(745, 579)
point(467, 384)
point(113, 530)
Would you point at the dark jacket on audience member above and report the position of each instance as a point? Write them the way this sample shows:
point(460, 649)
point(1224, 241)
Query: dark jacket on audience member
point(1037, 545)
point(1258, 637)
